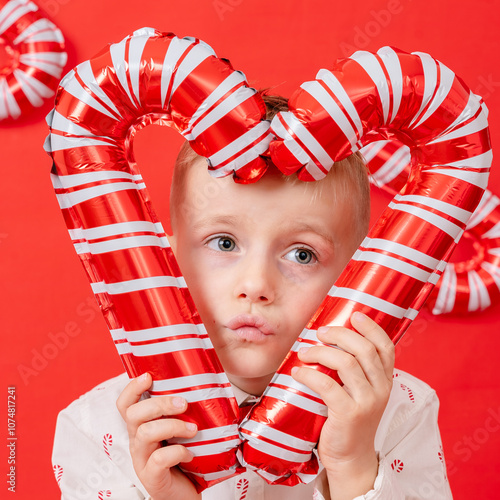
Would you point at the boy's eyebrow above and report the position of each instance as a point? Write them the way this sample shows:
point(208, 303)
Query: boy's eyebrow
point(287, 226)
point(229, 220)
point(303, 227)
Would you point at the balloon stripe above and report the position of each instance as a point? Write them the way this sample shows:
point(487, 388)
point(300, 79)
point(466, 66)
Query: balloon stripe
point(275, 451)
point(373, 68)
point(318, 91)
point(255, 141)
point(230, 85)
point(85, 77)
point(121, 244)
point(12, 12)
point(117, 229)
point(479, 298)
point(174, 384)
point(392, 263)
point(431, 73)
point(338, 93)
point(395, 77)
point(177, 50)
point(446, 79)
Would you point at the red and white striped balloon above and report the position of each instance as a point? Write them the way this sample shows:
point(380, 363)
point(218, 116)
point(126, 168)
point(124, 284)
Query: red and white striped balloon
point(114, 228)
point(37, 58)
point(468, 285)
point(368, 97)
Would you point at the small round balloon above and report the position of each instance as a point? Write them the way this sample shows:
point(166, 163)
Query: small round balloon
point(35, 58)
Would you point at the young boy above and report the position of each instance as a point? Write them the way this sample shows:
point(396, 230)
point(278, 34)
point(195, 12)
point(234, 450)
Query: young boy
point(258, 260)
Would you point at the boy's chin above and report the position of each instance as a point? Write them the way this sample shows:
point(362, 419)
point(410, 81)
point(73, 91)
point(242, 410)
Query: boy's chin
point(252, 380)
point(251, 367)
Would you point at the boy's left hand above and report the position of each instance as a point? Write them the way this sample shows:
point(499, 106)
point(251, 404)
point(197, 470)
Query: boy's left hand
point(364, 363)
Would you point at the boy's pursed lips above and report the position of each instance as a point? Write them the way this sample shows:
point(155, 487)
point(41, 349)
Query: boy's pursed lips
point(250, 327)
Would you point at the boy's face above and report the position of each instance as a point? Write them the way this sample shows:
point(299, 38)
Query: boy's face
point(258, 260)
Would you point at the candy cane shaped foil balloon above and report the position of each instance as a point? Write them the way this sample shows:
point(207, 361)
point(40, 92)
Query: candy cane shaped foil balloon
point(466, 286)
point(390, 94)
point(35, 47)
point(100, 104)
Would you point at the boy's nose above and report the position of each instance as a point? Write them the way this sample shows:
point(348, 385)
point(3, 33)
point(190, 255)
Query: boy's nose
point(256, 283)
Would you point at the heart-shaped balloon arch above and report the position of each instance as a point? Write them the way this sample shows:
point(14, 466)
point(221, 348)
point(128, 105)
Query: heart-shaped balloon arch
point(152, 76)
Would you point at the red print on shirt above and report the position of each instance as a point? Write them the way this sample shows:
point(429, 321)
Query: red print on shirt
point(409, 391)
point(58, 472)
point(242, 485)
point(107, 442)
point(397, 465)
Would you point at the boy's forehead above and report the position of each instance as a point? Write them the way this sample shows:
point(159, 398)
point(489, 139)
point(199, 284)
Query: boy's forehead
point(274, 189)
point(293, 205)
point(272, 180)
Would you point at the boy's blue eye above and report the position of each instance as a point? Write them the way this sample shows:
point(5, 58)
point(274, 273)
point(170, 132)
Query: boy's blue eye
point(226, 244)
point(223, 243)
point(301, 255)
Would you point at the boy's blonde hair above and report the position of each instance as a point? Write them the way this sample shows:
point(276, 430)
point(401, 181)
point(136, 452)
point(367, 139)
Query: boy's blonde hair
point(347, 179)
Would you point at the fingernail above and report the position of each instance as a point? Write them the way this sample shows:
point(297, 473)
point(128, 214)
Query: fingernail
point(294, 370)
point(179, 402)
point(358, 316)
point(303, 350)
point(191, 427)
point(143, 377)
point(322, 329)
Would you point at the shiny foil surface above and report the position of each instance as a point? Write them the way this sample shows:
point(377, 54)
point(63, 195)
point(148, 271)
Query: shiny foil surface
point(35, 58)
point(133, 272)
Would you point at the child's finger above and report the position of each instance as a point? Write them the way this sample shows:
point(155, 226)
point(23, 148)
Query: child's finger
point(332, 394)
point(151, 409)
point(150, 434)
point(362, 349)
point(346, 365)
point(133, 392)
point(375, 334)
point(161, 461)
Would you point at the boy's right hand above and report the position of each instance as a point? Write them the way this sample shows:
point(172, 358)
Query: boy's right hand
point(154, 464)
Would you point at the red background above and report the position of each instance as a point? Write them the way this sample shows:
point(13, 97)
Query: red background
point(279, 44)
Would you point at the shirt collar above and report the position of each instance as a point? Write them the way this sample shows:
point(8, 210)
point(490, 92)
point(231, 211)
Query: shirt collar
point(243, 398)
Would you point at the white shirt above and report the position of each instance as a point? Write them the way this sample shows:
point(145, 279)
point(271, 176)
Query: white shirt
point(91, 456)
